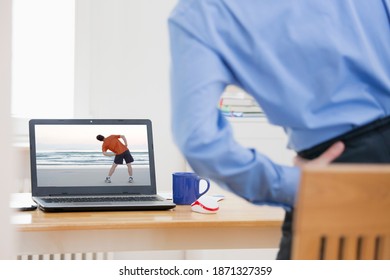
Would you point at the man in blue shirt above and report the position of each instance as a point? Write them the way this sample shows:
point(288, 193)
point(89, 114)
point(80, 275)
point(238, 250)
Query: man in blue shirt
point(319, 69)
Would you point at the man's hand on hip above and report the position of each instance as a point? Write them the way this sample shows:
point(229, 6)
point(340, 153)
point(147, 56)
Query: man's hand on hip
point(325, 158)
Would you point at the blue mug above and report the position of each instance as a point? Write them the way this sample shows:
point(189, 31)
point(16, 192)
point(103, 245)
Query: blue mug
point(185, 187)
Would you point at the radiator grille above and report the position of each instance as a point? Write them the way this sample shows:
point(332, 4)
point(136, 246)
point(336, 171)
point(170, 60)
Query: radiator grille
point(69, 256)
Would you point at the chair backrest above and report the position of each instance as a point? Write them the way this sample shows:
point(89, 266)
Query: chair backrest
point(343, 212)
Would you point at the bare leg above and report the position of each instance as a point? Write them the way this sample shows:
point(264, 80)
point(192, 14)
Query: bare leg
point(112, 169)
point(130, 169)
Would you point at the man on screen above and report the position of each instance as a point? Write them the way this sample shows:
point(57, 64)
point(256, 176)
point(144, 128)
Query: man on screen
point(119, 150)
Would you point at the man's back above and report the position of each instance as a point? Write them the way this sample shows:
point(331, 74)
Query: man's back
point(329, 59)
point(113, 144)
point(320, 69)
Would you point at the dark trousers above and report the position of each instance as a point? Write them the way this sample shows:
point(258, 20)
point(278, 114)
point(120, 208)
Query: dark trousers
point(367, 144)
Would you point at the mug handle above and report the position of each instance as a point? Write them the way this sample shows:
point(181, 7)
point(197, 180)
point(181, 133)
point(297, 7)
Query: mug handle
point(208, 185)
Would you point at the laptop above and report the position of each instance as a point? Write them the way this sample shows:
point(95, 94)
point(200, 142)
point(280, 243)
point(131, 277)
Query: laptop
point(69, 169)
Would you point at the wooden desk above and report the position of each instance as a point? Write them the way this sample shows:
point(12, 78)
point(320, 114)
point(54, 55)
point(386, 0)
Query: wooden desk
point(238, 225)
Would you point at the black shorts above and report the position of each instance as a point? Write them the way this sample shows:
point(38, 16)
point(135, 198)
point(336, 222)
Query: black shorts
point(124, 156)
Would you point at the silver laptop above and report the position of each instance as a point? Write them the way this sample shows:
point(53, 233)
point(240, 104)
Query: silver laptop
point(69, 169)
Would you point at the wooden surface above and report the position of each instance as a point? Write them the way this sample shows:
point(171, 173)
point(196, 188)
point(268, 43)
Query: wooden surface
point(345, 209)
point(233, 211)
point(238, 224)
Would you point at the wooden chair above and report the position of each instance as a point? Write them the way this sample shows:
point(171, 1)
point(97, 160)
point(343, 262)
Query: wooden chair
point(343, 212)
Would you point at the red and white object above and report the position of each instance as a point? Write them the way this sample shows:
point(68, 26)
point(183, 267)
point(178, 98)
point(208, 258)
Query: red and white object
point(205, 205)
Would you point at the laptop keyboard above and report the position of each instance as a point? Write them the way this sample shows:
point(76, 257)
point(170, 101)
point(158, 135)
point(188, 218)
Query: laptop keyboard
point(101, 199)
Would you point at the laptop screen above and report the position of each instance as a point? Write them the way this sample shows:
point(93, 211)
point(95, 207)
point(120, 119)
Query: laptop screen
point(77, 156)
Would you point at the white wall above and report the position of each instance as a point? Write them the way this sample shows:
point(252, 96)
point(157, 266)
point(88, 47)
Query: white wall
point(6, 170)
point(122, 69)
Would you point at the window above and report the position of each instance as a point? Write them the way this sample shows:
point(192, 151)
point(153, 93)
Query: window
point(43, 58)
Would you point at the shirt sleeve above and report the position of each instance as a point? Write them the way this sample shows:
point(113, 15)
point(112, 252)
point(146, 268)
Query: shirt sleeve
point(204, 136)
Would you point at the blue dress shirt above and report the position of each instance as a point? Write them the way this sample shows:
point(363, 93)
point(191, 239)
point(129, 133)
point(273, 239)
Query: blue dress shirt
point(317, 69)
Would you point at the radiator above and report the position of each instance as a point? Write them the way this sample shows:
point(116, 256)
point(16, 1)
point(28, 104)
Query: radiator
point(69, 256)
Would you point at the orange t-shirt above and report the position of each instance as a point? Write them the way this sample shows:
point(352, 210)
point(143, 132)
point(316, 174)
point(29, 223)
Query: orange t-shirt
point(113, 144)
